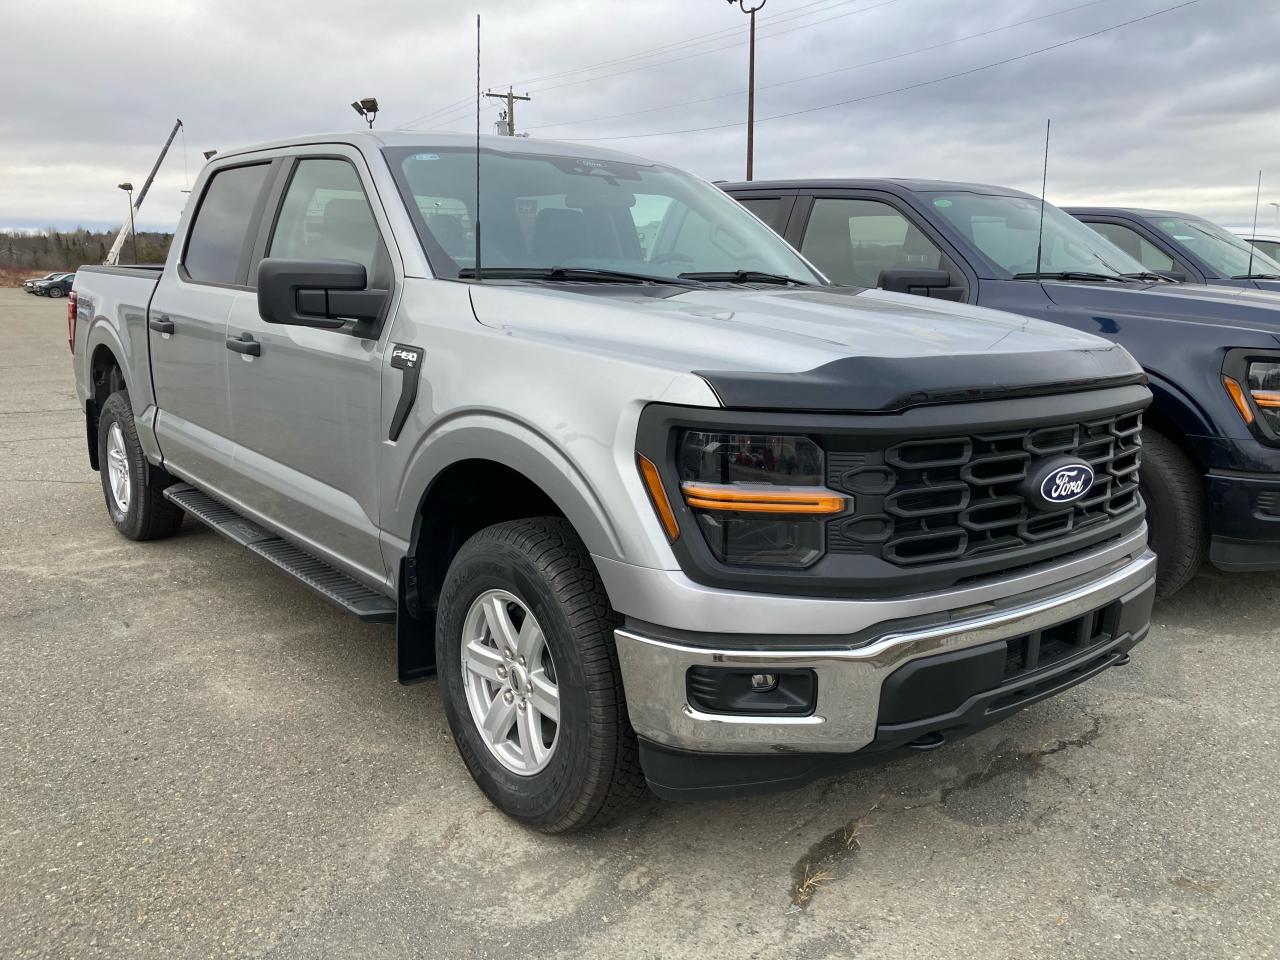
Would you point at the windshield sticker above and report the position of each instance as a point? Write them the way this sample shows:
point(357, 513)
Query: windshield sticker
point(942, 202)
point(425, 156)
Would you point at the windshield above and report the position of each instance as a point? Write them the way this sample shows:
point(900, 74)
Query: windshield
point(1007, 229)
point(1224, 252)
point(540, 212)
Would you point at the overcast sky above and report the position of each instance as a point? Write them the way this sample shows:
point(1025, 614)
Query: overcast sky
point(1177, 110)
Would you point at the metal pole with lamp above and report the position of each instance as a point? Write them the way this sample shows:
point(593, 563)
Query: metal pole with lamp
point(751, 82)
point(133, 233)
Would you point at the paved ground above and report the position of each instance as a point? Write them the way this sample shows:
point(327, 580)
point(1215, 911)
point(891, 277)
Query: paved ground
point(199, 759)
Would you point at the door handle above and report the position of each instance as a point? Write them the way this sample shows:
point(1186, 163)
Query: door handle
point(161, 324)
point(245, 344)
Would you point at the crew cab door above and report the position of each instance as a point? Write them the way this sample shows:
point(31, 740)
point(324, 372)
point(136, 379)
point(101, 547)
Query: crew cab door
point(187, 324)
point(306, 403)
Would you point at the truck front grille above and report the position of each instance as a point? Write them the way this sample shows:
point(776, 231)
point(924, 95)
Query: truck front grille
point(935, 500)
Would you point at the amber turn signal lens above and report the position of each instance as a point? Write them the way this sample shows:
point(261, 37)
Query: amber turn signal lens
point(658, 497)
point(744, 498)
point(1238, 397)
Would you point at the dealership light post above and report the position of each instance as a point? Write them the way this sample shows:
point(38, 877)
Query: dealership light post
point(749, 9)
point(133, 233)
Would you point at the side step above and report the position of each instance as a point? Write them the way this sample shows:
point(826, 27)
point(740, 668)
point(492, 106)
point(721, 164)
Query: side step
point(332, 584)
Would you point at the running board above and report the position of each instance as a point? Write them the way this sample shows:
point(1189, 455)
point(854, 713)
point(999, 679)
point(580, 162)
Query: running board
point(330, 583)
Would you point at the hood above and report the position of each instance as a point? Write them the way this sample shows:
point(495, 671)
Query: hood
point(1242, 309)
point(812, 348)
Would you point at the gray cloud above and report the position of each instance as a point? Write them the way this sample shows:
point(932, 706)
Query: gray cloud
point(1176, 111)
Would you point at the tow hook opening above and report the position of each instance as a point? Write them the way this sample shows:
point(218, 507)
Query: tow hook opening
point(930, 741)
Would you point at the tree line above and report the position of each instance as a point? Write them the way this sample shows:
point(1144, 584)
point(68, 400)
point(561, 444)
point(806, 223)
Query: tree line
point(52, 249)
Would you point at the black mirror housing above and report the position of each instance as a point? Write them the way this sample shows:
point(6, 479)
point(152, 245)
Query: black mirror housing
point(317, 293)
point(910, 280)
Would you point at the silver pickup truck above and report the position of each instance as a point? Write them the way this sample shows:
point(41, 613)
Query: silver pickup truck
point(658, 503)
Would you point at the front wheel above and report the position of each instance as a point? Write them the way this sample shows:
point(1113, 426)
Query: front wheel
point(1174, 493)
point(530, 680)
point(54, 292)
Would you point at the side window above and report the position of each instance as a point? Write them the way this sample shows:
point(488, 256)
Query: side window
point(852, 241)
point(1270, 247)
point(647, 215)
point(768, 209)
point(326, 216)
point(1136, 246)
point(218, 235)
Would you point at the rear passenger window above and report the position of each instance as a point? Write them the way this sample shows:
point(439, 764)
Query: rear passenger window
point(219, 233)
point(852, 241)
point(326, 216)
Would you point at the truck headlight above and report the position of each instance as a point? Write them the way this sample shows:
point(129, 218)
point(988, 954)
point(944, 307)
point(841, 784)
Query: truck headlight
point(759, 499)
point(1264, 388)
point(1253, 384)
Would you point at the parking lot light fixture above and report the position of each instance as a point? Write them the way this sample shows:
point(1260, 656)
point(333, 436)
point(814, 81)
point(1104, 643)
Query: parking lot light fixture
point(127, 187)
point(367, 107)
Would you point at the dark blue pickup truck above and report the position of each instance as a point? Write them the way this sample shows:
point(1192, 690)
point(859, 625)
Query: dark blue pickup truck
point(1211, 444)
point(1183, 245)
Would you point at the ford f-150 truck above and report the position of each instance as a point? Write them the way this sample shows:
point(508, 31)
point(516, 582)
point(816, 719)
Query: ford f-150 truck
point(672, 510)
point(1183, 246)
point(1211, 445)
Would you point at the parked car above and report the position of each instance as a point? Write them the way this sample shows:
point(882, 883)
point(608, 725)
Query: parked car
point(29, 285)
point(1265, 240)
point(1183, 246)
point(1211, 446)
point(56, 286)
point(681, 513)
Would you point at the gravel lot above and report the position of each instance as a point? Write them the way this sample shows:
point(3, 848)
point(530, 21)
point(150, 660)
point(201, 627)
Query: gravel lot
point(200, 759)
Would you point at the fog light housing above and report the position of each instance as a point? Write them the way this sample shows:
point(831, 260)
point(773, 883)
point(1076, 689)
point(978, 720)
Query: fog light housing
point(727, 690)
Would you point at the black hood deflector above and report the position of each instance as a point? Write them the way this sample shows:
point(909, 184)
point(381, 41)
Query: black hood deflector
point(891, 384)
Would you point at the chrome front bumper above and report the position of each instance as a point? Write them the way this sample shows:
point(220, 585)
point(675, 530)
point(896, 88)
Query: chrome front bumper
point(849, 676)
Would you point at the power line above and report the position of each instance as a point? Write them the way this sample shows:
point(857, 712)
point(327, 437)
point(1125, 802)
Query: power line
point(703, 53)
point(695, 40)
point(825, 73)
point(902, 89)
point(454, 107)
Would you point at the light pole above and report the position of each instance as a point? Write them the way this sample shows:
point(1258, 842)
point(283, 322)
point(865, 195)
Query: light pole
point(751, 9)
point(133, 234)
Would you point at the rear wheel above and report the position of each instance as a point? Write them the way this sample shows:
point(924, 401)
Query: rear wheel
point(133, 488)
point(530, 680)
point(1173, 489)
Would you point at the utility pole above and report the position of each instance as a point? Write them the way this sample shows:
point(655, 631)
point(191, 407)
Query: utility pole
point(136, 204)
point(751, 82)
point(511, 99)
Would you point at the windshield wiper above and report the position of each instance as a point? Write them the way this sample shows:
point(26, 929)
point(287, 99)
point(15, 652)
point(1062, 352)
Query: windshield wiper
point(1073, 275)
point(1257, 276)
point(583, 274)
point(1148, 275)
point(743, 276)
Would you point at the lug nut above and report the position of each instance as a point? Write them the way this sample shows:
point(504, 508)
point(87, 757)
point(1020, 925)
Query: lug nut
point(502, 672)
point(520, 661)
point(509, 653)
point(507, 696)
point(522, 706)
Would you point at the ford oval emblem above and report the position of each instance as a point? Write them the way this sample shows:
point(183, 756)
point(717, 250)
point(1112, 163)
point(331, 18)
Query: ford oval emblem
point(1066, 483)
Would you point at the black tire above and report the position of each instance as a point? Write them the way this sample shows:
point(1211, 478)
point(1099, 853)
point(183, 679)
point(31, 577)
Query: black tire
point(149, 515)
point(1173, 489)
point(594, 771)
point(54, 292)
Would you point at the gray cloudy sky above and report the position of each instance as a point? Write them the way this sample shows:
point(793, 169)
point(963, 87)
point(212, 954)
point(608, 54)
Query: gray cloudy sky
point(1177, 110)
